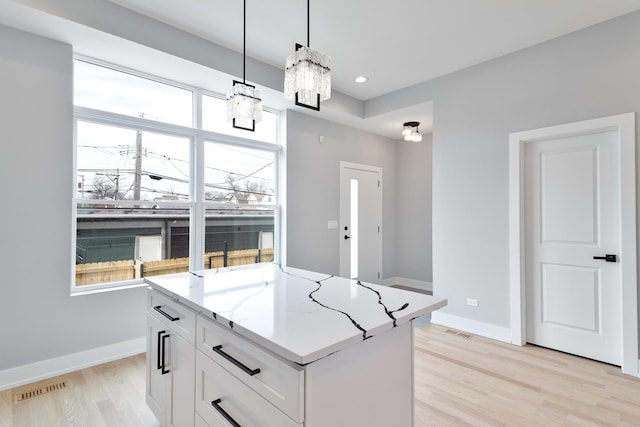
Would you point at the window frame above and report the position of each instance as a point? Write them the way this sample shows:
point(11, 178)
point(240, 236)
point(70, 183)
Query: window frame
point(196, 205)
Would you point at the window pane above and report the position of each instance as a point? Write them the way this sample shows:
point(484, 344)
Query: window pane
point(125, 164)
point(122, 243)
point(105, 89)
point(353, 220)
point(239, 176)
point(235, 237)
point(214, 119)
point(239, 228)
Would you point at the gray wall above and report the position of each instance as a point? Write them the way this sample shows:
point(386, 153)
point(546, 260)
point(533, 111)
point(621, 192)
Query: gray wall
point(313, 189)
point(38, 318)
point(413, 209)
point(588, 74)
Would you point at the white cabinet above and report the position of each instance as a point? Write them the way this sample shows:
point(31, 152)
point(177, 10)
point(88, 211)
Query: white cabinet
point(367, 384)
point(170, 361)
point(272, 346)
point(223, 400)
point(239, 382)
point(278, 381)
point(157, 384)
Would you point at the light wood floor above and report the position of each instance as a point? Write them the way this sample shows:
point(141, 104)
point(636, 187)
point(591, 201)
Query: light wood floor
point(464, 380)
point(109, 395)
point(461, 380)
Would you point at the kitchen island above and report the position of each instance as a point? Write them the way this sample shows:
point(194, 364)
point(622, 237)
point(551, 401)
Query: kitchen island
point(266, 345)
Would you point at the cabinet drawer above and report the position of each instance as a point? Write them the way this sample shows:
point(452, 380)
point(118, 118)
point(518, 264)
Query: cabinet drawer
point(219, 395)
point(199, 422)
point(278, 381)
point(180, 318)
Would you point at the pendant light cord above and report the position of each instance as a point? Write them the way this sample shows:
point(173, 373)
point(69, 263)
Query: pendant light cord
point(308, 38)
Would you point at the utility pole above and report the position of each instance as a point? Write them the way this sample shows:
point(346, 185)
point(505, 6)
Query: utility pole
point(81, 186)
point(137, 179)
point(117, 182)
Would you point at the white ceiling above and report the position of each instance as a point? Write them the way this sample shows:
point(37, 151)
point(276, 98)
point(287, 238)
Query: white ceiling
point(396, 43)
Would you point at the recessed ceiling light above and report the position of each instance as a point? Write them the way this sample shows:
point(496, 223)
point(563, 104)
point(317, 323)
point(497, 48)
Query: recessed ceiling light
point(361, 79)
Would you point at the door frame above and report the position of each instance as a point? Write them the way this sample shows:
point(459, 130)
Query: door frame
point(348, 165)
point(624, 124)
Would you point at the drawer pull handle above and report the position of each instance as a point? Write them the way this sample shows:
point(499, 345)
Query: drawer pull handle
point(245, 368)
point(165, 314)
point(164, 352)
point(217, 407)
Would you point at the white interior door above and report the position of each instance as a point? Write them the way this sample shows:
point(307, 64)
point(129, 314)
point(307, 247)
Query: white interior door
point(360, 222)
point(572, 219)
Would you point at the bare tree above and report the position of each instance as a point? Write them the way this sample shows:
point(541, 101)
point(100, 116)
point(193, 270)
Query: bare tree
point(232, 182)
point(257, 187)
point(104, 188)
point(260, 190)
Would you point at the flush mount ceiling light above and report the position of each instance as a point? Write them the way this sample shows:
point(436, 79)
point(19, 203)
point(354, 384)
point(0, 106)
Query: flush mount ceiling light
point(361, 79)
point(244, 106)
point(307, 75)
point(410, 132)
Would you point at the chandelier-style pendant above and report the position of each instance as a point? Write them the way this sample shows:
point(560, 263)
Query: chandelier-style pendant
point(307, 75)
point(244, 106)
point(307, 78)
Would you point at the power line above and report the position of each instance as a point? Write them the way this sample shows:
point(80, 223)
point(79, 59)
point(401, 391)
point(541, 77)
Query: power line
point(159, 177)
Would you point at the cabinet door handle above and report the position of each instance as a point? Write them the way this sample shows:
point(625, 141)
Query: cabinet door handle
point(164, 352)
point(607, 257)
point(245, 368)
point(160, 348)
point(217, 407)
point(165, 314)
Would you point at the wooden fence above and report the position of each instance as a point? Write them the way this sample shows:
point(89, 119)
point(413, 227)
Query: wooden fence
point(101, 272)
point(114, 271)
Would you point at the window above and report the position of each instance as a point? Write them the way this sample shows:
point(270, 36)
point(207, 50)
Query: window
point(245, 177)
point(156, 195)
point(114, 91)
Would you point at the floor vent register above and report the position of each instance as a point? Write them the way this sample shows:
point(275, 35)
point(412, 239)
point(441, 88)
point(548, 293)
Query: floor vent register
point(458, 333)
point(21, 396)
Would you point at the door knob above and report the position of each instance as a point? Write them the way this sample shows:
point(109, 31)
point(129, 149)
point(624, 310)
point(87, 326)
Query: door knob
point(607, 258)
point(346, 237)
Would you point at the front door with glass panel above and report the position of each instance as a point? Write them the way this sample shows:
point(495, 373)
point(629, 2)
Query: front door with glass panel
point(360, 222)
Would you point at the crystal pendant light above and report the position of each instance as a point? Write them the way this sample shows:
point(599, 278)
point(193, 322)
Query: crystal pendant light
point(307, 75)
point(244, 105)
point(410, 132)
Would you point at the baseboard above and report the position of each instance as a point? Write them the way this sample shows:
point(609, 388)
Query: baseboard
point(472, 326)
point(411, 283)
point(26, 374)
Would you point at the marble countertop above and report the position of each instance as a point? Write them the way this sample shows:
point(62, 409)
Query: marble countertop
point(300, 315)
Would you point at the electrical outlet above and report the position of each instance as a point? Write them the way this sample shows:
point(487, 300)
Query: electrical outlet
point(472, 302)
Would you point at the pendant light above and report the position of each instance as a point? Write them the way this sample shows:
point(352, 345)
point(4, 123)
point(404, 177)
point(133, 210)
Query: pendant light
point(307, 75)
point(244, 106)
point(410, 132)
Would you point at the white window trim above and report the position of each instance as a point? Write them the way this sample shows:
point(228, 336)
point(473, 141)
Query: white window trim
point(197, 205)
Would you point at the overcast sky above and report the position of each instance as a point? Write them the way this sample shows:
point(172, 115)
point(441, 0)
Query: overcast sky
point(110, 151)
